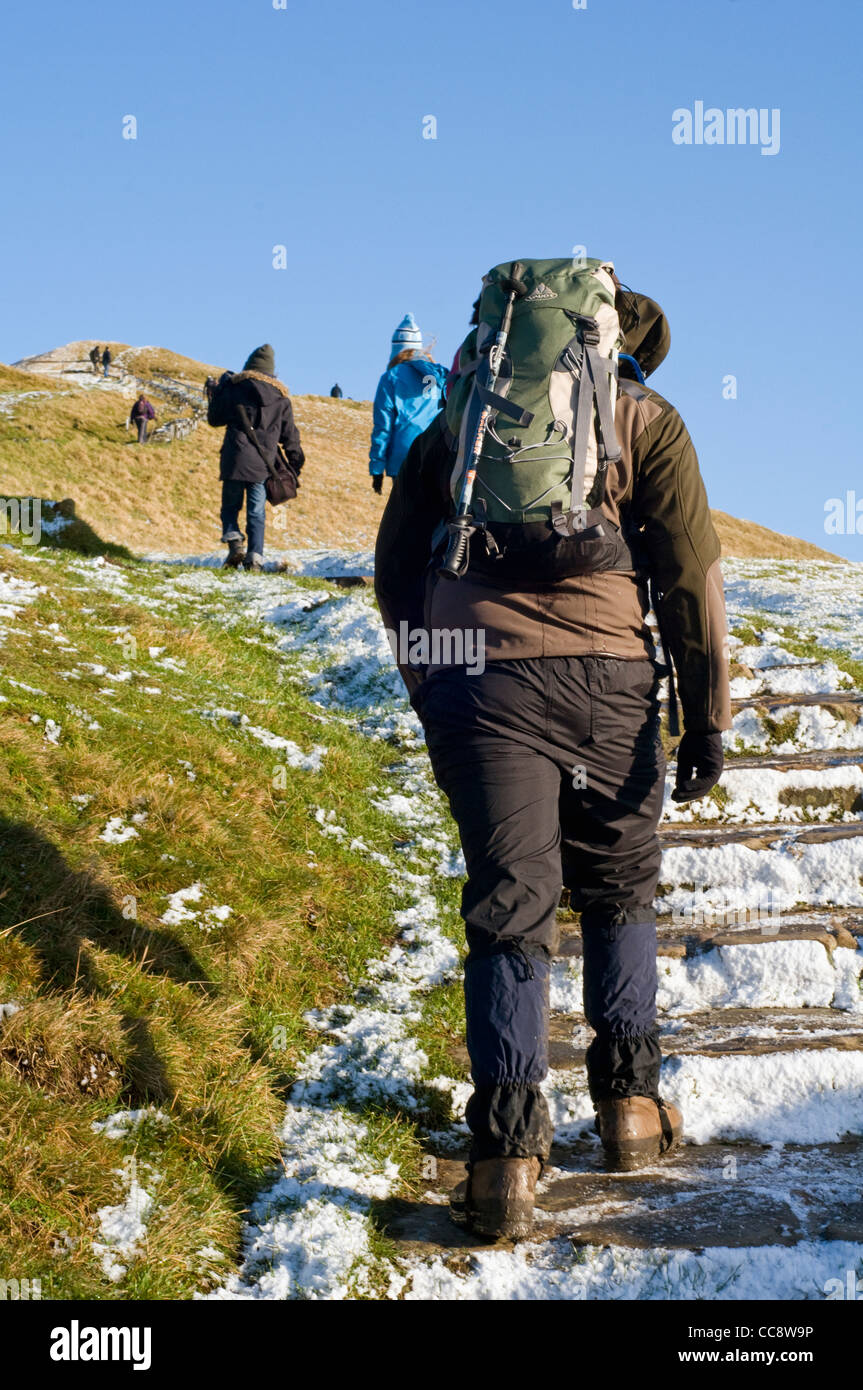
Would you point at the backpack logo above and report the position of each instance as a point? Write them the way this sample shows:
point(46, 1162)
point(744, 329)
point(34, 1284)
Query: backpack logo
point(540, 292)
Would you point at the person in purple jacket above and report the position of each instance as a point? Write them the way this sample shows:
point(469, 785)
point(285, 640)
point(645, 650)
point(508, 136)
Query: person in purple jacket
point(141, 414)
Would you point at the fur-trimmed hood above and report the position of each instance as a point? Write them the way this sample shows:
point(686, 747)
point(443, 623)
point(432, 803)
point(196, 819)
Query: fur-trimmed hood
point(260, 376)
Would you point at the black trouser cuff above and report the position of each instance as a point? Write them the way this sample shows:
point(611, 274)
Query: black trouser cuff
point(620, 1066)
point(509, 1122)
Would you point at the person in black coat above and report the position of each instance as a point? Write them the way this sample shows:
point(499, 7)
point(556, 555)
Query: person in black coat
point(106, 360)
point(256, 410)
point(337, 392)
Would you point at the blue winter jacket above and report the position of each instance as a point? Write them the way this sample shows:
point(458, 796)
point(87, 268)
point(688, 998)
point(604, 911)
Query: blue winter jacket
point(408, 398)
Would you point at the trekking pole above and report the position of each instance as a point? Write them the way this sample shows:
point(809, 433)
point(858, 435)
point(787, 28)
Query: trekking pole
point(462, 527)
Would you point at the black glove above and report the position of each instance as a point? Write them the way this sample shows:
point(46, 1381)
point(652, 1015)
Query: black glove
point(378, 483)
point(702, 755)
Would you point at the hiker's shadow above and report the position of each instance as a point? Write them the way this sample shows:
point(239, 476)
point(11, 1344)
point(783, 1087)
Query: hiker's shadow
point(67, 918)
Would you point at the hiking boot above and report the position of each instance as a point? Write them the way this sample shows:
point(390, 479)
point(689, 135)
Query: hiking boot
point(235, 556)
point(636, 1131)
point(496, 1200)
point(253, 566)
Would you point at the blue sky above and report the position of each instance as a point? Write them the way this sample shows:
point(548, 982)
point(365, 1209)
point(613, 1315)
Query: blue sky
point(303, 127)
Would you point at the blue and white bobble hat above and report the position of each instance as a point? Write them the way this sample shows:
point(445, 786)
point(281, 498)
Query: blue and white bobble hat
point(407, 335)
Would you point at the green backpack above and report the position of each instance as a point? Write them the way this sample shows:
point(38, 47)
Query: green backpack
point(541, 415)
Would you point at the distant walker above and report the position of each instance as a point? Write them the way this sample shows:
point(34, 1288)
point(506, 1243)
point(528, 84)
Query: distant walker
point(260, 432)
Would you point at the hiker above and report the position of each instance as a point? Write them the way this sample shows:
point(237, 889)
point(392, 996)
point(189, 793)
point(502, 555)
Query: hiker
point(256, 408)
point(337, 392)
point(106, 360)
point(95, 356)
point(140, 414)
point(548, 747)
point(406, 401)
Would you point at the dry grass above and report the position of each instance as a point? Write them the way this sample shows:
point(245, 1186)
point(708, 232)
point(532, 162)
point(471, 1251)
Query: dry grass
point(166, 497)
point(748, 540)
point(14, 379)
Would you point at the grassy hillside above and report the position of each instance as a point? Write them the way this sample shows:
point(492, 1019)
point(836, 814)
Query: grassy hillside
point(121, 793)
point(748, 540)
point(70, 441)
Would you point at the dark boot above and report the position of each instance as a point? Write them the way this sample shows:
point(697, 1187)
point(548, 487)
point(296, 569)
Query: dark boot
point(253, 566)
point(497, 1199)
point(235, 556)
point(636, 1131)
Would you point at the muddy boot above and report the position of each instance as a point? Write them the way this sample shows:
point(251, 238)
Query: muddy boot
point(497, 1199)
point(235, 556)
point(636, 1131)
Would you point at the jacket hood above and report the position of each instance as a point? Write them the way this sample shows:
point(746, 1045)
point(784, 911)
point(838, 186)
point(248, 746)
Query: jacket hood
point(646, 335)
point(262, 377)
point(424, 367)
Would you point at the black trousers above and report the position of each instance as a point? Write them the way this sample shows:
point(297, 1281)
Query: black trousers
point(554, 772)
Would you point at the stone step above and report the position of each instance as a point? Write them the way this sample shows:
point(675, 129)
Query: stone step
point(758, 836)
point(682, 940)
point(800, 665)
point(722, 1032)
point(769, 700)
point(785, 762)
point(711, 1195)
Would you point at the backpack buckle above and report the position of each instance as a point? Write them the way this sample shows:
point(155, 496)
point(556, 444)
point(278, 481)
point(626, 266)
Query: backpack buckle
point(589, 329)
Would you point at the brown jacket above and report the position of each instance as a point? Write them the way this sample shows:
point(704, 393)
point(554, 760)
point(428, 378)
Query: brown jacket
point(656, 492)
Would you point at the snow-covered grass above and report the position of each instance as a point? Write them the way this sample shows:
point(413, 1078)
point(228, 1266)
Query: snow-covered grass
point(283, 923)
point(186, 926)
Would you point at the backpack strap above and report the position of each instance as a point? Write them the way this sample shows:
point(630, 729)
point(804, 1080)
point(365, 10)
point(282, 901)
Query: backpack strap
point(502, 406)
point(600, 370)
point(591, 385)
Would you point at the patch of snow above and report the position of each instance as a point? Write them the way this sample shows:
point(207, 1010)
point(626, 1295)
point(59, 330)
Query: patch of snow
point(123, 1122)
point(117, 832)
point(122, 1228)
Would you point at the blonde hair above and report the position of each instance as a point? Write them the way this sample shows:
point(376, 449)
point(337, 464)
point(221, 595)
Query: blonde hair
point(408, 354)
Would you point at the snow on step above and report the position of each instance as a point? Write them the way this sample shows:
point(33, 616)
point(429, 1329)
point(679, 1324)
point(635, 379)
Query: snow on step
point(820, 679)
point(783, 974)
point(554, 1271)
point(817, 872)
point(810, 1096)
point(771, 794)
point(805, 1097)
point(777, 974)
point(816, 728)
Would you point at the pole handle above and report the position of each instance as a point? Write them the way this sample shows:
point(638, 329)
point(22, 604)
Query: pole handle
point(455, 561)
